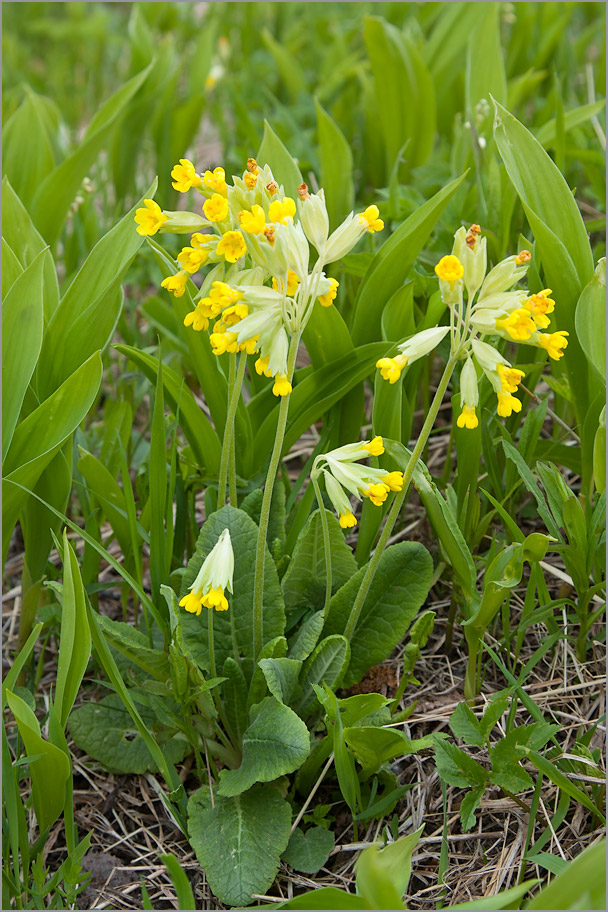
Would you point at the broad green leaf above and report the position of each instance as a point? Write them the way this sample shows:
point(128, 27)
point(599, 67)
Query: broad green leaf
point(239, 842)
point(274, 649)
point(306, 637)
point(107, 733)
point(456, 767)
point(109, 495)
point(354, 709)
point(284, 168)
point(194, 423)
point(383, 875)
point(289, 68)
point(590, 319)
point(587, 872)
point(86, 316)
point(326, 665)
point(38, 438)
point(185, 896)
point(22, 325)
point(305, 580)
point(485, 69)
point(233, 629)
point(11, 268)
point(392, 263)
point(276, 743)
point(469, 805)
point(399, 588)
point(56, 192)
point(26, 242)
point(308, 851)
point(465, 725)
point(10, 680)
point(373, 746)
point(336, 168)
point(281, 677)
point(49, 770)
point(75, 636)
point(26, 162)
point(506, 899)
point(234, 694)
point(547, 133)
point(322, 899)
point(134, 645)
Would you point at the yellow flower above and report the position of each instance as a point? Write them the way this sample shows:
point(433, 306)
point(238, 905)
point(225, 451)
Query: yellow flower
point(235, 314)
point(281, 210)
point(200, 240)
point(252, 222)
point(519, 325)
point(347, 520)
point(370, 219)
point(539, 305)
point(510, 377)
point(282, 386)
point(375, 447)
point(293, 282)
point(553, 343)
point(176, 284)
point(249, 345)
point(216, 180)
point(377, 493)
point(394, 480)
point(222, 342)
point(232, 246)
point(507, 404)
point(261, 366)
point(449, 269)
point(192, 602)
point(198, 318)
point(192, 258)
point(390, 368)
point(250, 180)
point(467, 418)
point(216, 208)
point(326, 299)
point(215, 598)
point(184, 176)
point(150, 219)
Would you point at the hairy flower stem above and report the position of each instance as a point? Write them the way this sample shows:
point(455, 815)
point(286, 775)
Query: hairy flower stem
point(326, 543)
point(235, 384)
point(408, 473)
point(260, 557)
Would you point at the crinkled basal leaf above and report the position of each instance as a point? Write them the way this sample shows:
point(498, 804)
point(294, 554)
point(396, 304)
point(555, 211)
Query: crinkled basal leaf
point(275, 743)
point(135, 647)
point(399, 588)
point(326, 665)
point(239, 842)
point(234, 693)
point(306, 638)
point(107, 733)
point(233, 629)
point(308, 852)
point(281, 677)
point(305, 579)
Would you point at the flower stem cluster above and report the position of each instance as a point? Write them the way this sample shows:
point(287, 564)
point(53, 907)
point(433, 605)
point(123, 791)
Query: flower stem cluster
point(491, 308)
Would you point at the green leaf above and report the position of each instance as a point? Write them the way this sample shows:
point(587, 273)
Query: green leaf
point(485, 68)
point(336, 168)
point(457, 768)
point(234, 695)
point(559, 779)
point(326, 666)
point(504, 757)
point(135, 646)
point(233, 629)
point(374, 746)
point(506, 899)
point(22, 326)
point(281, 677)
point(239, 842)
point(305, 580)
point(465, 725)
point(276, 743)
point(194, 423)
point(86, 316)
point(106, 731)
point(49, 771)
point(392, 263)
point(469, 805)
point(588, 871)
point(24, 162)
point(393, 863)
point(546, 134)
point(306, 637)
point(308, 852)
point(399, 588)
point(285, 170)
point(56, 193)
point(590, 319)
point(323, 899)
point(75, 636)
point(185, 896)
